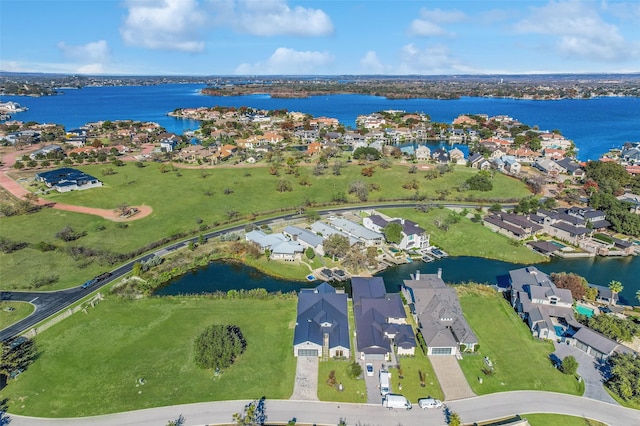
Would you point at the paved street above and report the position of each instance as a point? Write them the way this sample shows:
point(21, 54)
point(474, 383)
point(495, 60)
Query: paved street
point(471, 410)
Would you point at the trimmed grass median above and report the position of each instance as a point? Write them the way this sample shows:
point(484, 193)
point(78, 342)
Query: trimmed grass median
point(13, 312)
point(520, 362)
point(91, 363)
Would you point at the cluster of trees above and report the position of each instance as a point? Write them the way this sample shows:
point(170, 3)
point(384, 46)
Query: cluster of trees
point(16, 355)
point(618, 213)
point(625, 376)
point(577, 284)
point(481, 181)
point(218, 346)
point(619, 329)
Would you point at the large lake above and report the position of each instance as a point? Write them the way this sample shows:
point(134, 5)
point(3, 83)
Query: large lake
point(595, 125)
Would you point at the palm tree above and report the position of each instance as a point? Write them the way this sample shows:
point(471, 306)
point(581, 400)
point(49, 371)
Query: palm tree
point(615, 287)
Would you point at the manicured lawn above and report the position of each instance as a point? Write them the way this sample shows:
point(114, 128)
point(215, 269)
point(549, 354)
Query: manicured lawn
point(13, 312)
point(89, 364)
point(520, 361)
point(559, 419)
point(467, 238)
point(411, 380)
point(186, 199)
point(354, 389)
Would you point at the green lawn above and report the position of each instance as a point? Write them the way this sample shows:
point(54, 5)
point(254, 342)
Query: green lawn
point(354, 389)
point(89, 364)
point(183, 201)
point(13, 312)
point(461, 239)
point(520, 361)
point(411, 380)
point(559, 419)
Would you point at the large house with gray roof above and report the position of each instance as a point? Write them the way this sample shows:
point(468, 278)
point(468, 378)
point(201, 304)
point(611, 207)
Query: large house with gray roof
point(279, 245)
point(366, 236)
point(306, 238)
point(413, 236)
point(548, 311)
point(322, 325)
point(437, 311)
point(67, 179)
point(381, 321)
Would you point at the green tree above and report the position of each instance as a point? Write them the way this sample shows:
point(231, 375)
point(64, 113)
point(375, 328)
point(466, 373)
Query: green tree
point(17, 354)
point(480, 182)
point(393, 232)
point(615, 286)
point(336, 245)
point(219, 346)
point(310, 253)
point(569, 365)
point(354, 370)
point(638, 295)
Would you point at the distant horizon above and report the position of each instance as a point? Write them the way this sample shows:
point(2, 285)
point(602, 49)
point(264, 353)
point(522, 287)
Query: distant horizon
point(263, 76)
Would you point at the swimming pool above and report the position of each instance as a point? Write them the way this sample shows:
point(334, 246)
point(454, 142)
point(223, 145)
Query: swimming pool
point(557, 244)
point(583, 310)
point(559, 330)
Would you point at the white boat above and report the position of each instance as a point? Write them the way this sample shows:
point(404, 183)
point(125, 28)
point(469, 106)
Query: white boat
point(11, 107)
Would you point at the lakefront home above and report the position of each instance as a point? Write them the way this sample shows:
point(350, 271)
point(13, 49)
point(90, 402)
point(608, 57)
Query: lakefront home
point(437, 311)
point(413, 236)
point(322, 325)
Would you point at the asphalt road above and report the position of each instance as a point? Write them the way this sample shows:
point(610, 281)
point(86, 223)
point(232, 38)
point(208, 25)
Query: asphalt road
point(48, 304)
point(475, 409)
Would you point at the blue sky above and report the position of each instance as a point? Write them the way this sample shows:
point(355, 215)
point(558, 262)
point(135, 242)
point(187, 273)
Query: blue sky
point(271, 37)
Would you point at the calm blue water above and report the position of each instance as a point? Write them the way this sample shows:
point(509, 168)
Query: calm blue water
point(458, 270)
point(595, 125)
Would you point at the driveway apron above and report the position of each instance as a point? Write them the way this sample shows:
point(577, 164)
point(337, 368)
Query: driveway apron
point(305, 387)
point(452, 381)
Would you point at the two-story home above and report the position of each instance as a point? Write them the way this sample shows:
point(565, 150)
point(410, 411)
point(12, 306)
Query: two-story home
point(381, 321)
point(437, 311)
point(413, 236)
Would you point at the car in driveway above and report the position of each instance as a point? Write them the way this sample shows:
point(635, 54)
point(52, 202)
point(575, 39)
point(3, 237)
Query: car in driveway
point(425, 403)
point(369, 368)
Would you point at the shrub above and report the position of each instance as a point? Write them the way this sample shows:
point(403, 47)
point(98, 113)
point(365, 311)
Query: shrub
point(569, 365)
point(219, 346)
point(354, 370)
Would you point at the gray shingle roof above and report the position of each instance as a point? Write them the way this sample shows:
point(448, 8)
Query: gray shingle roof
point(322, 311)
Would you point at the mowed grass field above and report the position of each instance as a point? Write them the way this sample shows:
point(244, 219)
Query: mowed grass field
point(11, 312)
point(462, 238)
point(520, 361)
point(90, 363)
point(185, 199)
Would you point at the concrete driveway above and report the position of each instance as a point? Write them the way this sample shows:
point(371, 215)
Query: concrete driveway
point(589, 370)
point(452, 381)
point(373, 382)
point(305, 387)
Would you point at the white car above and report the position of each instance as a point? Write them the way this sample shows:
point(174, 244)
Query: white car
point(425, 403)
point(369, 367)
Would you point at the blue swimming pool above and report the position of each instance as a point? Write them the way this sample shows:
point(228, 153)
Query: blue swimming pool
point(557, 244)
point(583, 310)
point(559, 330)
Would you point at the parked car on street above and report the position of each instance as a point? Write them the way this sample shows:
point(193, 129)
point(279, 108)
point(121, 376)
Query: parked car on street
point(425, 403)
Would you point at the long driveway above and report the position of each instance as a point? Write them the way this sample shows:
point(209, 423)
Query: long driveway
point(475, 409)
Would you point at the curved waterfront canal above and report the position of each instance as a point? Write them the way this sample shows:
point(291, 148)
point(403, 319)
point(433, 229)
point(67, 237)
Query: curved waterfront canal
point(222, 276)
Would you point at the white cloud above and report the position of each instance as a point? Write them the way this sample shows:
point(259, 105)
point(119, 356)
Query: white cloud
point(430, 21)
point(91, 69)
point(97, 51)
point(164, 24)
point(579, 30)
point(290, 62)
point(371, 64)
point(275, 17)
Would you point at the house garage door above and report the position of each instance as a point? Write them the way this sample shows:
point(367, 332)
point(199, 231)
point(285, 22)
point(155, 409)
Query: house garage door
point(440, 351)
point(374, 357)
point(307, 352)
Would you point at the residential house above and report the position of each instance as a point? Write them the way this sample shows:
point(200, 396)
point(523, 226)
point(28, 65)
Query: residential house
point(413, 236)
point(322, 324)
point(279, 245)
point(423, 153)
point(45, 151)
point(168, 142)
point(511, 165)
point(67, 179)
point(324, 230)
point(597, 345)
point(366, 236)
point(306, 238)
point(512, 225)
point(456, 156)
point(570, 167)
point(440, 155)
point(437, 311)
point(381, 321)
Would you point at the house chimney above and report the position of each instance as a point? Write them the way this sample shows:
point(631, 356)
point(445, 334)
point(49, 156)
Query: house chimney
point(417, 275)
point(440, 273)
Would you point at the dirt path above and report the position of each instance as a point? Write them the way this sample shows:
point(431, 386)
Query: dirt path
point(18, 191)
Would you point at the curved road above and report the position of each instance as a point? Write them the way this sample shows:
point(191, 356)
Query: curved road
point(48, 304)
point(475, 409)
